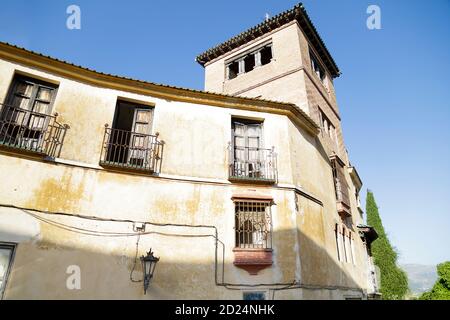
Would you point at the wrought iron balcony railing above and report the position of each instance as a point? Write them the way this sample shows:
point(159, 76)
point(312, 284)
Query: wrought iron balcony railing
point(131, 150)
point(253, 164)
point(31, 131)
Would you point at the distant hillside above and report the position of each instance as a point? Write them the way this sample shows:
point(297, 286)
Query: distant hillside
point(420, 277)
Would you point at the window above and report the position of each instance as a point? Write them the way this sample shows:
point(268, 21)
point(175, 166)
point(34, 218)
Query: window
point(6, 256)
point(31, 95)
point(248, 158)
point(233, 70)
point(266, 55)
point(129, 142)
point(26, 114)
point(327, 128)
point(340, 186)
point(344, 244)
point(316, 67)
point(248, 62)
point(352, 248)
point(254, 296)
point(338, 247)
point(253, 224)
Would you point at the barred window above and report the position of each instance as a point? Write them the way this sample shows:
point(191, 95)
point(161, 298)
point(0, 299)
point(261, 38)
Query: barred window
point(253, 224)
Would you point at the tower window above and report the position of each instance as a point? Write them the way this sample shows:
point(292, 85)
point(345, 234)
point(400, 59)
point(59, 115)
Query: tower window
point(233, 70)
point(266, 55)
point(327, 127)
point(250, 61)
point(316, 67)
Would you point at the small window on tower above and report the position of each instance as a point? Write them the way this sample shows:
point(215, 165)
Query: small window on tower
point(317, 67)
point(246, 62)
point(249, 62)
point(233, 70)
point(266, 55)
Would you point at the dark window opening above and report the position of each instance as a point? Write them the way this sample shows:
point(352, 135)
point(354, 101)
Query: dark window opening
point(249, 62)
point(266, 55)
point(233, 70)
point(254, 296)
point(316, 67)
point(129, 142)
point(260, 57)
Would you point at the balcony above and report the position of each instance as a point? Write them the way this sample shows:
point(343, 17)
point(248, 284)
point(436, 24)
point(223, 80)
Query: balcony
point(31, 132)
point(132, 151)
point(342, 200)
point(254, 165)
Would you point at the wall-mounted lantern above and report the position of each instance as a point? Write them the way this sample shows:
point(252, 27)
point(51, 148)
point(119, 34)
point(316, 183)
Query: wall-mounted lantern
point(148, 266)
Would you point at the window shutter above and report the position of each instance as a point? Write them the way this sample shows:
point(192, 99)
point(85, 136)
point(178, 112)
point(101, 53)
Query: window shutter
point(343, 186)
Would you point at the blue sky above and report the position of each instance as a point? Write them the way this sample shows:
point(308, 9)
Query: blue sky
point(394, 92)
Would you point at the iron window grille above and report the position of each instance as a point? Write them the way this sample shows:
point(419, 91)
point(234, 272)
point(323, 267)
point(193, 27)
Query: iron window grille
point(253, 224)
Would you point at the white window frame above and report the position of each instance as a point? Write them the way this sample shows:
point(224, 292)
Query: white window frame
point(12, 247)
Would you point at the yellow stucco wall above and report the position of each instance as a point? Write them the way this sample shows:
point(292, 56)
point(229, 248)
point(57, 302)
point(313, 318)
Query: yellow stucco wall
point(193, 188)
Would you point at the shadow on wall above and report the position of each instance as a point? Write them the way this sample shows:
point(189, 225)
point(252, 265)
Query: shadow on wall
point(110, 268)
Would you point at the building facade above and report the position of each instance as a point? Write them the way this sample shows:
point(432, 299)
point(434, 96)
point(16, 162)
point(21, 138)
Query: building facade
point(243, 191)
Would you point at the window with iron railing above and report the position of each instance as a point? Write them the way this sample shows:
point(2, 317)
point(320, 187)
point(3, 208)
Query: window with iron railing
point(248, 159)
point(26, 122)
point(129, 144)
point(253, 224)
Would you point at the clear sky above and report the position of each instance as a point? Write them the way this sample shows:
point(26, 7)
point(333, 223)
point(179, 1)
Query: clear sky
point(394, 92)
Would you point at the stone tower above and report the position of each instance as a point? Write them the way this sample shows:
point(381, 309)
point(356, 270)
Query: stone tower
point(281, 59)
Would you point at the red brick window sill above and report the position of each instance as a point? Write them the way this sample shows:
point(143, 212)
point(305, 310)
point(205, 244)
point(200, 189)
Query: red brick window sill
point(252, 260)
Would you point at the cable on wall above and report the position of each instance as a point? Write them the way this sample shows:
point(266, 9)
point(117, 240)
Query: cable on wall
point(231, 286)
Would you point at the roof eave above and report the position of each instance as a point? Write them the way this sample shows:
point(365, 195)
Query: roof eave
point(297, 13)
point(65, 69)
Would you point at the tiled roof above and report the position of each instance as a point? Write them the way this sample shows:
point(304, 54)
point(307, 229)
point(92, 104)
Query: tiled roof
point(176, 90)
point(298, 13)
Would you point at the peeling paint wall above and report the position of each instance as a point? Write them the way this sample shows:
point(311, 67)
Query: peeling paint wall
point(193, 189)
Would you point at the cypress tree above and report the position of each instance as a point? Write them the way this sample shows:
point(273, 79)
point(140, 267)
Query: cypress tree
point(394, 283)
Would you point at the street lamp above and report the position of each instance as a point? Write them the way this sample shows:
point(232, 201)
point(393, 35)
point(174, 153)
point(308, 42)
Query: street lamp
point(148, 266)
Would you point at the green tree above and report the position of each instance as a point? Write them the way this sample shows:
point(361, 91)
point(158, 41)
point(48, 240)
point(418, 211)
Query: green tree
point(394, 283)
point(441, 289)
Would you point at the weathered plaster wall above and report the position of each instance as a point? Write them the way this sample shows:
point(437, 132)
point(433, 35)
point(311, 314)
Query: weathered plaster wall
point(192, 189)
